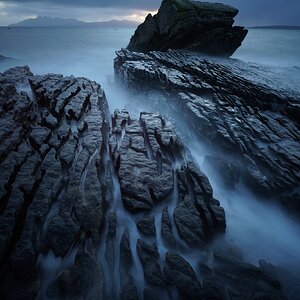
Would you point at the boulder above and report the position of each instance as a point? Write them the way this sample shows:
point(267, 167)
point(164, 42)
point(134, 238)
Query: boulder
point(179, 273)
point(84, 279)
point(149, 257)
point(146, 225)
point(193, 25)
point(166, 228)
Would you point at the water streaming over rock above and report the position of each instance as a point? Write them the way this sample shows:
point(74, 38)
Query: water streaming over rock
point(71, 166)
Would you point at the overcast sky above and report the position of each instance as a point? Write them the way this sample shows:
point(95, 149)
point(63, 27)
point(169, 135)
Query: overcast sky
point(252, 12)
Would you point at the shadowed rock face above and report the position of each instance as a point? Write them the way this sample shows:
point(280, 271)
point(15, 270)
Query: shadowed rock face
point(100, 207)
point(51, 137)
point(232, 106)
point(73, 180)
point(194, 25)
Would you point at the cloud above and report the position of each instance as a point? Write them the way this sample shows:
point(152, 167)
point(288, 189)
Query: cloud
point(11, 12)
point(135, 4)
point(254, 12)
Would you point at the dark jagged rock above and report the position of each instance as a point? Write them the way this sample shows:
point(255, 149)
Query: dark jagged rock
point(150, 295)
point(188, 222)
point(166, 228)
point(178, 272)
point(243, 280)
point(229, 252)
point(65, 176)
point(205, 269)
point(50, 194)
point(289, 283)
point(232, 106)
point(110, 236)
point(149, 257)
point(145, 153)
point(194, 25)
point(245, 274)
point(62, 233)
point(128, 287)
point(147, 226)
point(61, 164)
point(84, 279)
point(212, 290)
point(144, 180)
point(228, 275)
point(197, 214)
point(125, 251)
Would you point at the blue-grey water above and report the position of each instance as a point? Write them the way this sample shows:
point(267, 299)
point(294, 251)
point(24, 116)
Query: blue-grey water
point(272, 47)
point(261, 230)
point(89, 52)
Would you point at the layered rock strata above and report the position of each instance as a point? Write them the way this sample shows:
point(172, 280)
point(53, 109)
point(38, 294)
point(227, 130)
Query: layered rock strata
point(249, 124)
point(95, 206)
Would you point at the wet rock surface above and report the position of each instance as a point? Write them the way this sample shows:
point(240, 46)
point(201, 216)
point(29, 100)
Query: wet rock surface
point(194, 25)
point(235, 108)
point(51, 137)
point(95, 206)
point(178, 272)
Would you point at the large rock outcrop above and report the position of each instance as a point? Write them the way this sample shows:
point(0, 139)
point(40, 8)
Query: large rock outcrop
point(73, 178)
point(193, 25)
point(95, 206)
point(247, 117)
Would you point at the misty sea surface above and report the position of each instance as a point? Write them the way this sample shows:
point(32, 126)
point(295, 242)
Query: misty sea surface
point(261, 229)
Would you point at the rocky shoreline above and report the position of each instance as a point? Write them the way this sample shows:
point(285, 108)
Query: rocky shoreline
point(102, 205)
point(251, 127)
point(86, 197)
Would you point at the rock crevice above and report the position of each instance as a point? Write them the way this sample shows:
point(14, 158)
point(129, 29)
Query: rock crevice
point(89, 214)
point(235, 108)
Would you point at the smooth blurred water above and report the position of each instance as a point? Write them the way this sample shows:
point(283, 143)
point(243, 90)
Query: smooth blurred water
point(86, 52)
point(271, 47)
point(89, 52)
point(260, 229)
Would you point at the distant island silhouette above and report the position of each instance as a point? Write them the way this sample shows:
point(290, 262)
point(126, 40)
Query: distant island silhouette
point(42, 21)
point(284, 27)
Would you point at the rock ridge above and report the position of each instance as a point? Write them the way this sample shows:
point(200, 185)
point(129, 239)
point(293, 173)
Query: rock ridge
point(95, 206)
point(235, 108)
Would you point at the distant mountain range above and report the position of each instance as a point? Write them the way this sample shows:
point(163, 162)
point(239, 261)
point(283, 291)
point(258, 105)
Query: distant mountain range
point(41, 21)
point(286, 27)
point(60, 22)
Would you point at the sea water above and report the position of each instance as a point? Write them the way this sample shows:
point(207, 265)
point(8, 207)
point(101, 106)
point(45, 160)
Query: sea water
point(261, 230)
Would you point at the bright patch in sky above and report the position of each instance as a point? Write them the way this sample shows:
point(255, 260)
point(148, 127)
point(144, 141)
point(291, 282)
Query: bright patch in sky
point(139, 16)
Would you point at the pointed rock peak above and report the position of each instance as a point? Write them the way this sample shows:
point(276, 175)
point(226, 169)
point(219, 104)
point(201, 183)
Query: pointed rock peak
point(193, 25)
